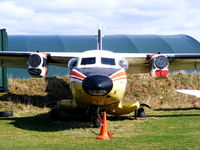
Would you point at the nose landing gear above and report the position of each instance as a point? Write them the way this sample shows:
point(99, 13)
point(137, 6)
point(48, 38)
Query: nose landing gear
point(92, 115)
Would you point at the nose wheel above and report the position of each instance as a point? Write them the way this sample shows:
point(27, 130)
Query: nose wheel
point(96, 122)
point(92, 115)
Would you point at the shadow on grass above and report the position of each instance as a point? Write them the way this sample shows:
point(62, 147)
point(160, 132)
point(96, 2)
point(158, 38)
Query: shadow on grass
point(120, 118)
point(56, 89)
point(44, 123)
point(175, 115)
point(177, 109)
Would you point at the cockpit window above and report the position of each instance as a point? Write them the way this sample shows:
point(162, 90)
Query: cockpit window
point(88, 61)
point(108, 61)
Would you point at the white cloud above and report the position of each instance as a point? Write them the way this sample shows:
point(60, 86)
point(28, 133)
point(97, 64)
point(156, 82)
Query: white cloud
point(117, 16)
point(10, 11)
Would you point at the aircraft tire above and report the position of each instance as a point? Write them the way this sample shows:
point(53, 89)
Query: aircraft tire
point(6, 113)
point(96, 122)
point(55, 114)
point(141, 113)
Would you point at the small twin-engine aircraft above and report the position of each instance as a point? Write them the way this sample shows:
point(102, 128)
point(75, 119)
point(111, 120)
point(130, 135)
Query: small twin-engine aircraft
point(99, 77)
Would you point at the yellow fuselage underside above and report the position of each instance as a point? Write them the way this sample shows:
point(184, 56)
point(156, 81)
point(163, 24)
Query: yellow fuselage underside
point(112, 103)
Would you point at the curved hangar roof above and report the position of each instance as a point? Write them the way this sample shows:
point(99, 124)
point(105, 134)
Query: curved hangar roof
point(116, 43)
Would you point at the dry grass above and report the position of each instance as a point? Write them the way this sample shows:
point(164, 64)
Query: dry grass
point(37, 91)
point(21, 109)
point(159, 93)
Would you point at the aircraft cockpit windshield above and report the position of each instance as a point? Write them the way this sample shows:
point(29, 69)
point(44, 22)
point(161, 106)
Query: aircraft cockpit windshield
point(108, 61)
point(98, 61)
point(88, 61)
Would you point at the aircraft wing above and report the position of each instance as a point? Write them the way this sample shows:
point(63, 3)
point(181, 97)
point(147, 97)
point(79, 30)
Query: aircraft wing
point(61, 58)
point(190, 92)
point(18, 59)
point(139, 62)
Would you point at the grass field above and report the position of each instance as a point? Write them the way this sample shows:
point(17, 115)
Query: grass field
point(163, 129)
point(170, 125)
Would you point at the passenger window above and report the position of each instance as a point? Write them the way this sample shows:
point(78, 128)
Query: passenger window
point(88, 61)
point(108, 61)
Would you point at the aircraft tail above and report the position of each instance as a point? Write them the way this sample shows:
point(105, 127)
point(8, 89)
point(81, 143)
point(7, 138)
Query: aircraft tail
point(99, 38)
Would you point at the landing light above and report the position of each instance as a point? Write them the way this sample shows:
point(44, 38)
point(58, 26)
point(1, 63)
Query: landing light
point(97, 92)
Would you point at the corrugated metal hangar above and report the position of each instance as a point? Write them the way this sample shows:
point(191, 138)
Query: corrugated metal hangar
point(116, 43)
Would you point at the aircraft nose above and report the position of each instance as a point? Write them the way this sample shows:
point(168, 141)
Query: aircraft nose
point(97, 85)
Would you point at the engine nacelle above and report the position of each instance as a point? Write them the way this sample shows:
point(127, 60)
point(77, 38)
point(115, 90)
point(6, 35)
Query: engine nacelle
point(159, 64)
point(38, 66)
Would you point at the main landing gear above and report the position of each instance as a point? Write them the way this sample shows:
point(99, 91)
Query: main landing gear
point(140, 113)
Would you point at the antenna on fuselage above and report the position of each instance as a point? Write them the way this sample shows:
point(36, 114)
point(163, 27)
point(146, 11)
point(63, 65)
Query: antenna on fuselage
point(99, 38)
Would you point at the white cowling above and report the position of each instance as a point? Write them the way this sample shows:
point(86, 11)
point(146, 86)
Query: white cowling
point(37, 64)
point(159, 64)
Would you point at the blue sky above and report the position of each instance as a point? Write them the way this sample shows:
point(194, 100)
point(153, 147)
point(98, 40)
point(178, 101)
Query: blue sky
point(74, 17)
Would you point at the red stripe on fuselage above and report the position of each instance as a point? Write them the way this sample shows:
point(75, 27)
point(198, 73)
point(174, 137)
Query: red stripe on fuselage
point(118, 75)
point(75, 78)
point(75, 73)
point(121, 78)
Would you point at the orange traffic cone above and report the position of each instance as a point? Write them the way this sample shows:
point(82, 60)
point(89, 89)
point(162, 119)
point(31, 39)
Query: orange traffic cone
point(104, 134)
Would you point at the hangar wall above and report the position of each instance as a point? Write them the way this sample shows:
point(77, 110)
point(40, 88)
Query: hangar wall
point(3, 71)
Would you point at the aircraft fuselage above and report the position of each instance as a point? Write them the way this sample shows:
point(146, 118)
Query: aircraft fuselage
point(98, 78)
point(98, 86)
